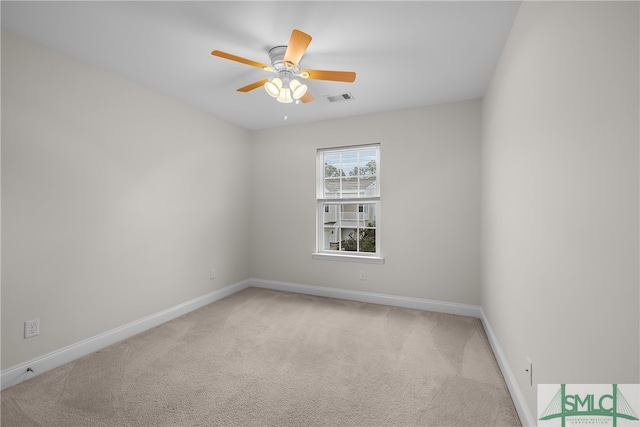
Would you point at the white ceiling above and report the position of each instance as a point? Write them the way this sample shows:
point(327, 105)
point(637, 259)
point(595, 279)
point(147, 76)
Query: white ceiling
point(405, 54)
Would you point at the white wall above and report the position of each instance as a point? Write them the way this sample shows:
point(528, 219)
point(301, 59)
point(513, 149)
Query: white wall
point(430, 203)
point(116, 201)
point(560, 195)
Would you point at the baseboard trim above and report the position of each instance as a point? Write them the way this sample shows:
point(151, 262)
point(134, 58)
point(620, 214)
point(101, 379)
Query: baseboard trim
point(19, 373)
point(526, 418)
point(373, 298)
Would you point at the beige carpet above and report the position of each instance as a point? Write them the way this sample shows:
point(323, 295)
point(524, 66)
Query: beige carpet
point(269, 358)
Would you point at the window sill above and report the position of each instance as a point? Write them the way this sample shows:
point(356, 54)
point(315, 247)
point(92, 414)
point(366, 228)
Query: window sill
point(348, 258)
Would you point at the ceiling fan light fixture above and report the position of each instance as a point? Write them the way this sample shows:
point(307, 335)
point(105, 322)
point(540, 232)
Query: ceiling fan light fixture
point(297, 89)
point(285, 96)
point(285, 63)
point(274, 87)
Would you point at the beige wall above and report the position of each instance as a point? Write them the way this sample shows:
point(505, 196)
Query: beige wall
point(430, 203)
point(116, 201)
point(560, 195)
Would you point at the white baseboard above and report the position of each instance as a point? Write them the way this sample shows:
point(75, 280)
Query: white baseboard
point(19, 373)
point(393, 300)
point(526, 418)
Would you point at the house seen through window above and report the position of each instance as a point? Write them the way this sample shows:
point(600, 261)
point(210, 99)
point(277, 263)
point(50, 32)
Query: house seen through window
point(349, 200)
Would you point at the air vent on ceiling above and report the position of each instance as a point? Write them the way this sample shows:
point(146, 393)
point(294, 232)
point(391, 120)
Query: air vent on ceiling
point(339, 98)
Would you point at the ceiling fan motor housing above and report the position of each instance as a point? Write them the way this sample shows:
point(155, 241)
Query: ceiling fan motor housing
point(276, 54)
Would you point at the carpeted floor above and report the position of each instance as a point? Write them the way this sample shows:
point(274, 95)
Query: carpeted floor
point(269, 358)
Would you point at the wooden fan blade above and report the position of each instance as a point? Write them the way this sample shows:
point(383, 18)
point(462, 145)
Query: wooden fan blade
point(253, 86)
point(307, 97)
point(226, 55)
point(298, 44)
point(336, 76)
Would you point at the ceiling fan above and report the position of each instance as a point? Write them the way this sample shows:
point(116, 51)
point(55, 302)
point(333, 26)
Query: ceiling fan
point(285, 63)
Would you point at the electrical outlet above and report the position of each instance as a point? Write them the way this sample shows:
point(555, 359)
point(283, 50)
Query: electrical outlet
point(529, 371)
point(212, 274)
point(363, 275)
point(31, 328)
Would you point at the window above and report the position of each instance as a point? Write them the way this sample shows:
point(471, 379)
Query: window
point(348, 197)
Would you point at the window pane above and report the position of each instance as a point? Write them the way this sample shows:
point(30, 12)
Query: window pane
point(367, 163)
point(350, 163)
point(350, 187)
point(369, 186)
point(366, 215)
point(368, 240)
point(330, 215)
point(332, 188)
point(332, 165)
point(330, 240)
point(349, 215)
point(369, 215)
point(349, 240)
point(349, 227)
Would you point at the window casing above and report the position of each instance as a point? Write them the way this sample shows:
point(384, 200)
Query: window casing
point(348, 201)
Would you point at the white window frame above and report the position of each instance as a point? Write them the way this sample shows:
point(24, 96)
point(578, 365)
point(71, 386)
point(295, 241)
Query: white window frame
point(323, 203)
